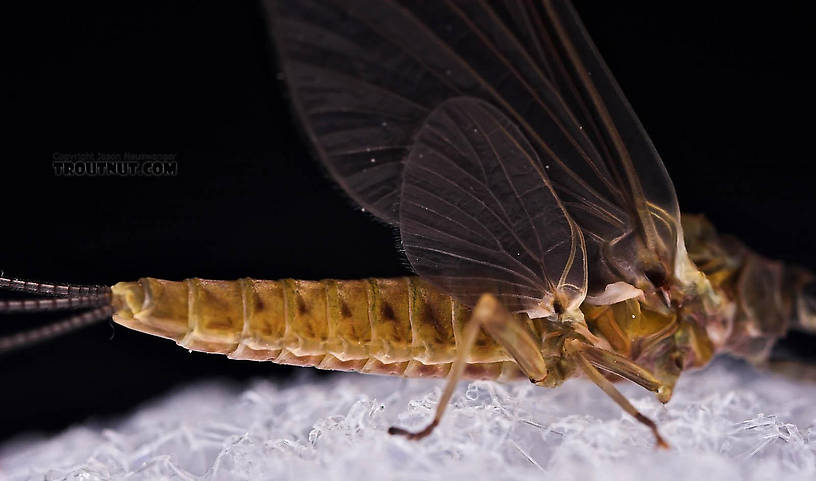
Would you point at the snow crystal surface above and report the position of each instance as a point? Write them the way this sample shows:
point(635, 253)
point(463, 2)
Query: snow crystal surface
point(726, 422)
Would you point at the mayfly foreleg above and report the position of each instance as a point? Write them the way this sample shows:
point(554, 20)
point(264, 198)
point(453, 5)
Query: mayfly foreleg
point(508, 331)
point(576, 350)
point(627, 369)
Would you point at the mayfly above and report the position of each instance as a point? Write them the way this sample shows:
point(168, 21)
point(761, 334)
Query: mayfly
point(541, 223)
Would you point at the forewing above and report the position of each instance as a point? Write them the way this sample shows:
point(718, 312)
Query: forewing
point(585, 83)
point(478, 213)
point(365, 74)
point(359, 95)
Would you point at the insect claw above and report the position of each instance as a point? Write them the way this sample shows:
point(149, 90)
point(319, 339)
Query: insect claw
point(661, 443)
point(413, 436)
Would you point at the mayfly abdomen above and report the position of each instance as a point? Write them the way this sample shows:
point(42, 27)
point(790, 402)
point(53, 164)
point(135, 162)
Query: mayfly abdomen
point(399, 326)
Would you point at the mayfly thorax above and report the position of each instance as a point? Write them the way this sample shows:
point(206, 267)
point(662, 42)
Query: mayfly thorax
point(541, 224)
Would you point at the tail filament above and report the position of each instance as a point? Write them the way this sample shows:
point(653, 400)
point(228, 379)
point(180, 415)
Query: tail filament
point(65, 297)
point(51, 289)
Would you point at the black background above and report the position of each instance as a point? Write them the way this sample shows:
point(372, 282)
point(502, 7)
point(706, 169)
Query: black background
point(721, 90)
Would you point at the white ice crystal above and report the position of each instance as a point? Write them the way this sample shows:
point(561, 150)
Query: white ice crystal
point(727, 422)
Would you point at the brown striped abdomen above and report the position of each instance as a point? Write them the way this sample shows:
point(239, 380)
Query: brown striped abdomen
point(399, 326)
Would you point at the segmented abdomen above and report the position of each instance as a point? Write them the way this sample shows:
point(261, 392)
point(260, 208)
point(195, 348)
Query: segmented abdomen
point(399, 326)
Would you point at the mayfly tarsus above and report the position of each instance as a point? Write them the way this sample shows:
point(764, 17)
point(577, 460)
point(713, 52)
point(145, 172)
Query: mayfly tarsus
point(541, 222)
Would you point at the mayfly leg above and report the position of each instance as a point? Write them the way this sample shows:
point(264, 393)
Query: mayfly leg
point(606, 386)
point(508, 331)
point(627, 369)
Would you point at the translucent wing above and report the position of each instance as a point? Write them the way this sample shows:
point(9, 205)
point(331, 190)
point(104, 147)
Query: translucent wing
point(583, 80)
point(479, 214)
point(366, 74)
